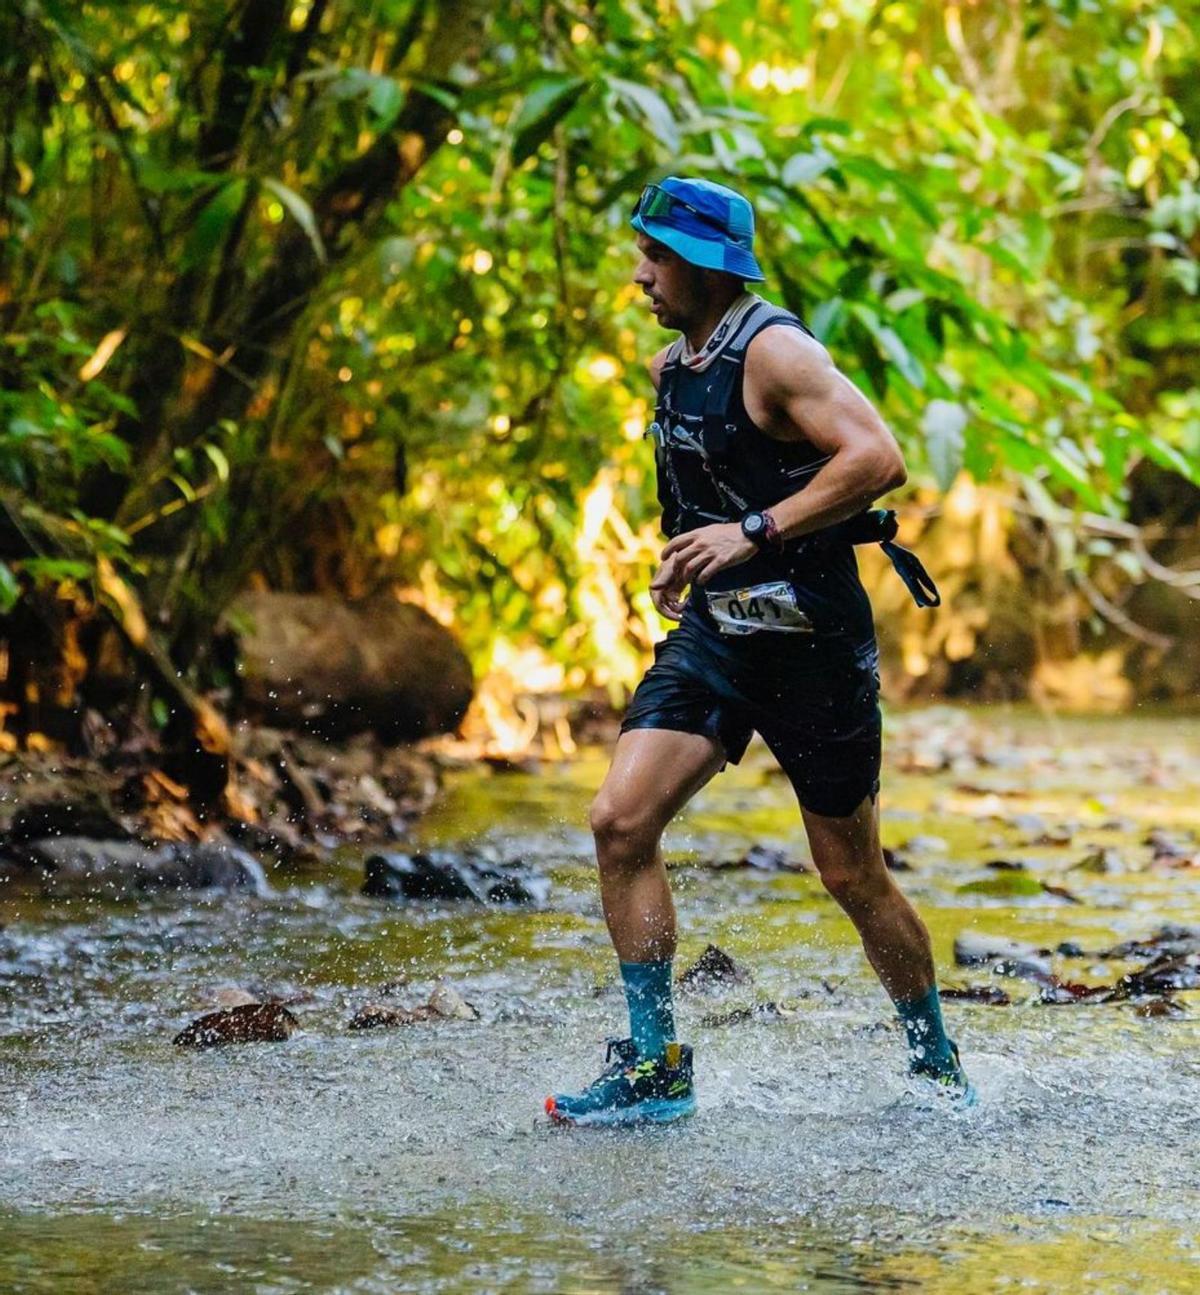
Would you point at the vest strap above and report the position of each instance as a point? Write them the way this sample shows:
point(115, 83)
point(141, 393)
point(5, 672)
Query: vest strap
point(912, 571)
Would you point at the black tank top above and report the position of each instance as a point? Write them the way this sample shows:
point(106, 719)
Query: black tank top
point(715, 465)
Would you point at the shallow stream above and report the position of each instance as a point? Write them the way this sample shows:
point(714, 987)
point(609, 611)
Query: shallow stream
point(418, 1158)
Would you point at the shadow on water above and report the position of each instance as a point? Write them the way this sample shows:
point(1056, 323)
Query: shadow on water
point(417, 1159)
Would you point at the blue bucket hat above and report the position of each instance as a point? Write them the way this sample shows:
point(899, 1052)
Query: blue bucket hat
point(705, 223)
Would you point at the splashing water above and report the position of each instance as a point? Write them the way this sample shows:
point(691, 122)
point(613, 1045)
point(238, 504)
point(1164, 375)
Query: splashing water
point(417, 1158)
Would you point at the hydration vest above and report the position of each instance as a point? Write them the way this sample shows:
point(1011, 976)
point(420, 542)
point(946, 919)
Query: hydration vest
point(714, 464)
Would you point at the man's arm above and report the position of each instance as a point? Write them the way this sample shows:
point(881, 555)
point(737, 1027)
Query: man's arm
point(793, 391)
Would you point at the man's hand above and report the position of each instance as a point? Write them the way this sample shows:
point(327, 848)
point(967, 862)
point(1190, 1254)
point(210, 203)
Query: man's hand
point(702, 553)
point(666, 590)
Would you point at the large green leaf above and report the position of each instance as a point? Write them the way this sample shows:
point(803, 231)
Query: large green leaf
point(943, 424)
point(652, 107)
point(214, 221)
point(546, 104)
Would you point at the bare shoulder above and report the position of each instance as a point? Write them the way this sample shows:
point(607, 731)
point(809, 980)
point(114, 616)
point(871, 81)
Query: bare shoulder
point(783, 359)
point(656, 365)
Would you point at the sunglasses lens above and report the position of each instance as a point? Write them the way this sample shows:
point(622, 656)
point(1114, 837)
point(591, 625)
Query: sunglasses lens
point(655, 202)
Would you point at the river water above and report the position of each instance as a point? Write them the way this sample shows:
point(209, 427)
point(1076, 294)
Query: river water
point(418, 1159)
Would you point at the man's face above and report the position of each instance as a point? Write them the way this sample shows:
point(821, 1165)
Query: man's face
point(675, 287)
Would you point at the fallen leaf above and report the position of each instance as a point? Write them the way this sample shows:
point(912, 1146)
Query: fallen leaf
point(990, 995)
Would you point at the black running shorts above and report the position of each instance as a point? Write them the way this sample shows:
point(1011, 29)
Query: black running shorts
point(819, 716)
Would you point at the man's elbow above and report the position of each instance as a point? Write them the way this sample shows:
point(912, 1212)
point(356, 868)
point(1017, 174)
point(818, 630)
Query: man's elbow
point(890, 473)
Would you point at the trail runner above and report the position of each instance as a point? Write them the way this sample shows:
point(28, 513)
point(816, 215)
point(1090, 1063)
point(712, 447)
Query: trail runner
point(768, 459)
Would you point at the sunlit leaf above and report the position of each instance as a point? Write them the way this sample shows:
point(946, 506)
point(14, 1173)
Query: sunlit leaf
point(301, 212)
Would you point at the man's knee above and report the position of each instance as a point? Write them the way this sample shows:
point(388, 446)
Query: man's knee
point(855, 886)
point(622, 828)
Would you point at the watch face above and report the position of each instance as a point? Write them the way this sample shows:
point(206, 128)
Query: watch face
point(752, 523)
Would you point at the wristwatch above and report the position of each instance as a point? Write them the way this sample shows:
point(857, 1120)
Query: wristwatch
point(761, 531)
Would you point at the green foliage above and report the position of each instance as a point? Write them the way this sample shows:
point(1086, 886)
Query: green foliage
point(989, 214)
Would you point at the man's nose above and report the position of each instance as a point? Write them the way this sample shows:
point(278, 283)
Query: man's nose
point(642, 275)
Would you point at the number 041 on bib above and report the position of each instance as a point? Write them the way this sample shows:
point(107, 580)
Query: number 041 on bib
point(770, 607)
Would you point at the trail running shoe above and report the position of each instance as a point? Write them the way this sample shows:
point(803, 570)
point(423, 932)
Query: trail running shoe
point(955, 1085)
point(632, 1090)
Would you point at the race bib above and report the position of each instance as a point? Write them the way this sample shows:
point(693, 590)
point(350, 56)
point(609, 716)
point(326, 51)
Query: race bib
point(761, 607)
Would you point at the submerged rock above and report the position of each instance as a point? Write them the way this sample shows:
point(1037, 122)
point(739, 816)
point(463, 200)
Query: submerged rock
point(76, 865)
point(248, 1023)
point(1012, 957)
point(452, 875)
point(764, 1013)
point(713, 969)
point(1172, 940)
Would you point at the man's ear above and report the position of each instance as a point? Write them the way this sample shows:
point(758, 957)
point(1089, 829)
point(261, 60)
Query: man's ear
point(718, 281)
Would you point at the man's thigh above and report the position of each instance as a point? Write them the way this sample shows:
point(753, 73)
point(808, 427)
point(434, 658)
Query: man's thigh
point(827, 737)
point(654, 773)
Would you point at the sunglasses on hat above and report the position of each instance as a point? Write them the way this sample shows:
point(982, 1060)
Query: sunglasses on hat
point(656, 203)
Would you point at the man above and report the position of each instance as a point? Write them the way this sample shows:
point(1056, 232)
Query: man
point(767, 457)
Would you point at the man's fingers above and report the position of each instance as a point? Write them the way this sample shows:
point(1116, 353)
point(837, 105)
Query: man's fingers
point(694, 563)
point(679, 545)
point(706, 573)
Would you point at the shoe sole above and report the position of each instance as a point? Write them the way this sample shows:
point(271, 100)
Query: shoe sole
point(659, 1110)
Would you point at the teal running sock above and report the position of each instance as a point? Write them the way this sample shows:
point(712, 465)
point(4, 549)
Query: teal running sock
point(651, 1017)
point(928, 1046)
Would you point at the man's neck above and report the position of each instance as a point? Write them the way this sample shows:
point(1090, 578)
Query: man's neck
point(703, 328)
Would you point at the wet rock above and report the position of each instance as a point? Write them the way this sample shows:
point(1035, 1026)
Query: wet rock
point(1054, 992)
point(712, 970)
point(920, 844)
point(445, 1003)
point(448, 1003)
point(896, 862)
point(1164, 975)
point(249, 1023)
point(1172, 940)
point(1010, 957)
point(1056, 836)
point(1167, 847)
point(763, 858)
point(989, 995)
point(1103, 862)
point(332, 667)
point(80, 866)
point(1157, 1008)
point(190, 865)
point(374, 1016)
point(1071, 949)
point(275, 839)
point(85, 814)
point(452, 875)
